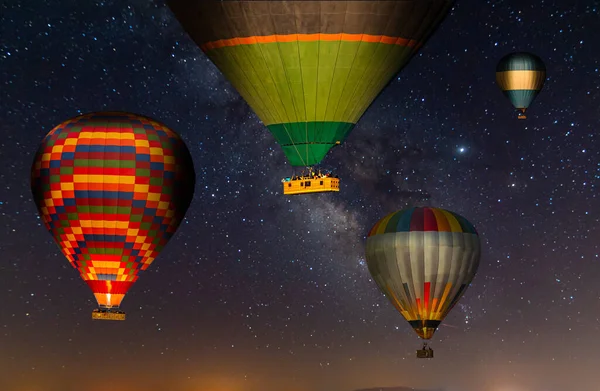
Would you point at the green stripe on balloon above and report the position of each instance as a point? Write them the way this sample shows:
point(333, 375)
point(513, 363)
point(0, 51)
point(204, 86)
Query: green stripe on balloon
point(521, 99)
point(321, 136)
point(520, 62)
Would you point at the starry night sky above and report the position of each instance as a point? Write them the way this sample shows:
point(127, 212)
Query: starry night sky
point(258, 291)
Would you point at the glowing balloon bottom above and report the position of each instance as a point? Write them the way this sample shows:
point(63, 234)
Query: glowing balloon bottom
point(109, 295)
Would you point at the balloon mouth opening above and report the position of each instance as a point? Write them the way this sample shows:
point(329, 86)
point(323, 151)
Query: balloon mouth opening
point(522, 114)
point(108, 301)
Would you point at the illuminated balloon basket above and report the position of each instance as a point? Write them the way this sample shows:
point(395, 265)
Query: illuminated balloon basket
point(311, 183)
point(107, 314)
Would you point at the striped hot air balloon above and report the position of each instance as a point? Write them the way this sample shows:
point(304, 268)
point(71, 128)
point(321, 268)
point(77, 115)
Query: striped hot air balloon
point(521, 77)
point(112, 188)
point(309, 69)
point(423, 259)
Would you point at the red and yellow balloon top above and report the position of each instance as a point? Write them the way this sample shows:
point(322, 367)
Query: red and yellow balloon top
point(112, 188)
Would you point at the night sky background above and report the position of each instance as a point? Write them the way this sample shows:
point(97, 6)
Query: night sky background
point(261, 292)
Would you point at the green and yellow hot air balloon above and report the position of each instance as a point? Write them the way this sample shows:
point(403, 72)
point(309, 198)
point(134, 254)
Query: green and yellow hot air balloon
point(521, 77)
point(309, 69)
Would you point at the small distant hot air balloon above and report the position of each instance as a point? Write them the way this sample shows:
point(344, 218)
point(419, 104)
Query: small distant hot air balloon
point(112, 188)
point(423, 259)
point(309, 69)
point(521, 77)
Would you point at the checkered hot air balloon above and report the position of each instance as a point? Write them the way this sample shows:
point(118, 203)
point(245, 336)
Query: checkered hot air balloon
point(112, 188)
point(423, 259)
point(521, 77)
point(309, 69)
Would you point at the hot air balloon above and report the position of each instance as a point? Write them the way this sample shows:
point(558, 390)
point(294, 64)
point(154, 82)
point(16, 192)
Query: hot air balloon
point(112, 188)
point(309, 69)
point(423, 259)
point(521, 77)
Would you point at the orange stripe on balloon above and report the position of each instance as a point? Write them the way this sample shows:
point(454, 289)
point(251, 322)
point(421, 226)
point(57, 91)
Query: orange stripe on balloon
point(454, 224)
point(261, 39)
point(442, 221)
point(408, 312)
point(380, 223)
point(374, 229)
point(420, 309)
point(444, 299)
point(383, 224)
point(395, 300)
point(433, 315)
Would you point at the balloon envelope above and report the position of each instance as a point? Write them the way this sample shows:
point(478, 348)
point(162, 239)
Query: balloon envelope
point(423, 259)
point(112, 188)
point(521, 77)
point(309, 69)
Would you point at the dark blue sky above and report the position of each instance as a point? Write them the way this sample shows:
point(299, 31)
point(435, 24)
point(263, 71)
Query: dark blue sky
point(258, 291)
